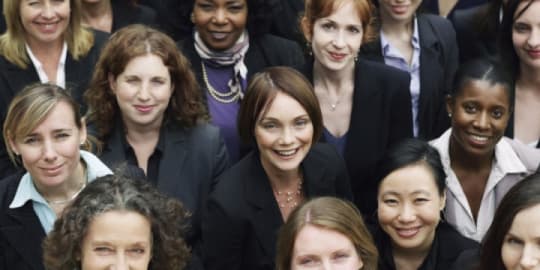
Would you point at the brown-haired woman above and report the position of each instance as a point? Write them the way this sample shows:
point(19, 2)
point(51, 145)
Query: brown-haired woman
point(281, 115)
point(44, 133)
point(44, 42)
point(145, 107)
point(338, 224)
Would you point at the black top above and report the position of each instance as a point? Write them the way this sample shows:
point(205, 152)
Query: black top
point(126, 13)
point(448, 247)
point(242, 218)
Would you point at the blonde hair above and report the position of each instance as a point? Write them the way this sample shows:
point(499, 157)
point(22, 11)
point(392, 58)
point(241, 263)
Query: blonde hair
point(12, 43)
point(30, 107)
point(332, 214)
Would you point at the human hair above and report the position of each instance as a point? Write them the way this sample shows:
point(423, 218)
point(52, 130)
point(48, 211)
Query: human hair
point(261, 92)
point(483, 69)
point(30, 107)
point(185, 106)
point(12, 43)
point(317, 9)
point(523, 195)
point(332, 214)
point(413, 152)
point(506, 45)
point(119, 192)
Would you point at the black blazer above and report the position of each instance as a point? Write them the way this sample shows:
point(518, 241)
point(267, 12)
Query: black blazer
point(242, 218)
point(447, 251)
point(380, 117)
point(13, 79)
point(21, 232)
point(192, 160)
point(438, 64)
point(125, 13)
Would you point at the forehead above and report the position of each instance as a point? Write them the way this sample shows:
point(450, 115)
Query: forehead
point(530, 14)
point(525, 221)
point(345, 11)
point(119, 227)
point(61, 116)
point(309, 238)
point(410, 179)
point(485, 92)
point(283, 107)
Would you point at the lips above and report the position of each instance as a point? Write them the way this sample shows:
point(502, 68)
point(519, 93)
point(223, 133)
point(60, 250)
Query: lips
point(52, 170)
point(286, 153)
point(407, 232)
point(400, 10)
point(219, 35)
point(478, 140)
point(337, 56)
point(48, 27)
point(143, 108)
point(534, 53)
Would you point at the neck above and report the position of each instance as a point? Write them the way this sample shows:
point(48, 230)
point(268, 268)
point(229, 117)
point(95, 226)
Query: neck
point(138, 135)
point(282, 180)
point(528, 78)
point(464, 160)
point(66, 189)
point(391, 27)
point(329, 79)
point(42, 51)
point(95, 10)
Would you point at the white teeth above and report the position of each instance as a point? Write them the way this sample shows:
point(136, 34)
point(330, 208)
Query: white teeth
point(287, 153)
point(479, 138)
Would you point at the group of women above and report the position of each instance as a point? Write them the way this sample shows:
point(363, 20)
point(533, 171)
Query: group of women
point(245, 131)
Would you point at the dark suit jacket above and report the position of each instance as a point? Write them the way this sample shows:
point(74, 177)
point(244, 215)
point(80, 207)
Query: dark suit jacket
point(446, 253)
point(380, 117)
point(21, 232)
point(125, 13)
point(242, 219)
point(189, 166)
point(433, 5)
point(13, 79)
point(438, 64)
point(472, 41)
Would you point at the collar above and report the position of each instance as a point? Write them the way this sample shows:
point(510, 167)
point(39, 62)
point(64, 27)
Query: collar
point(415, 41)
point(26, 191)
point(60, 77)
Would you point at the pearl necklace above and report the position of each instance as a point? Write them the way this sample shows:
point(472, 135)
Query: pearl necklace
point(291, 198)
point(227, 97)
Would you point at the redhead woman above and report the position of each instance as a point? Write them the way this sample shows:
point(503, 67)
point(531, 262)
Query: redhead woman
point(520, 49)
point(44, 42)
point(411, 196)
point(365, 105)
point(281, 116)
point(44, 132)
point(481, 165)
point(228, 46)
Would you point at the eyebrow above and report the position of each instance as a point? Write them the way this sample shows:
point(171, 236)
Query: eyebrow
point(276, 119)
point(395, 193)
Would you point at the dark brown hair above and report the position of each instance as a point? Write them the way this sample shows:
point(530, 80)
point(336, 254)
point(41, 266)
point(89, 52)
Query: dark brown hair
point(261, 92)
point(185, 107)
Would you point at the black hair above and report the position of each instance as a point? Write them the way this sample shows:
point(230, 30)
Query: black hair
point(483, 69)
point(413, 152)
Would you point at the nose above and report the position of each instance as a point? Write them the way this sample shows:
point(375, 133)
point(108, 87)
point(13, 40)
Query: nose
point(47, 10)
point(530, 257)
point(339, 40)
point(120, 263)
point(534, 38)
point(144, 91)
point(220, 16)
point(49, 151)
point(287, 136)
point(481, 121)
point(407, 213)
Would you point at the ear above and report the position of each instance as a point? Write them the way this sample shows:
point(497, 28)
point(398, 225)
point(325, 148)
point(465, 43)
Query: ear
point(13, 146)
point(306, 29)
point(112, 82)
point(443, 200)
point(82, 133)
point(449, 104)
point(192, 17)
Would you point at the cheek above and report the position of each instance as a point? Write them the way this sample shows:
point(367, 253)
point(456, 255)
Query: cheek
point(385, 214)
point(509, 256)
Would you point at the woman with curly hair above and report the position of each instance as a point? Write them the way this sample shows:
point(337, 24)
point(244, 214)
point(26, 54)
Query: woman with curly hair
point(44, 42)
point(118, 222)
point(338, 224)
point(229, 45)
point(145, 107)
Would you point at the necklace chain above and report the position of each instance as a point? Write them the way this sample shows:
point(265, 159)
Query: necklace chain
point(72, 196)
point(227, 97)
point(291, 198)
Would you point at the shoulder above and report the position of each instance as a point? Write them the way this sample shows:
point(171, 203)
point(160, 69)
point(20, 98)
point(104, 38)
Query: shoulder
point(453, 246)
point(275, 43)
point(8, 188)
point(381, 74)
point(528, 155)
point(231, 181)
point(436, 21)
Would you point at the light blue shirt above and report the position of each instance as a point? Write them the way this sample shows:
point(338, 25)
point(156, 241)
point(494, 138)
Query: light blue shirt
point(394, 58)
point(26, 191)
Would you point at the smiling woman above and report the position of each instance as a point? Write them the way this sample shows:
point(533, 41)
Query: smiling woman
point(410, 198)
point(281, 115)
point(481, 165)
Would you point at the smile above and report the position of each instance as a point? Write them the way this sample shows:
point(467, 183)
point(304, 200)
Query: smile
point(52, 170)
point(407, 232)
point(337, 56)
point(143, 108)
point(534, 53)
point(400, 9)
point(286, 153)
point(219, 35)
point(478, 139)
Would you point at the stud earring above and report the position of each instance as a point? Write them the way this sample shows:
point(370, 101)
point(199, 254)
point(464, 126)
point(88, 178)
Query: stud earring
point(450, 115)
point(309, 49)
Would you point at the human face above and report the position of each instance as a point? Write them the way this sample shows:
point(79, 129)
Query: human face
point(284, 135)
point(44, 21)
point(409, 206)
point(117, 240)
point(220, 22)
point(143, 93)
point(526, 35)
point(336, 39)
point(521, 246)
point(480, 114)
point(50, 153)
point(398, 11)
point(338, 252)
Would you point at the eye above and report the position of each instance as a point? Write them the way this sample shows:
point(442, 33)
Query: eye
point(31, 140)
point(521, 28)
point(341, 256)
point(158, 81)
point(62, 135)
point(103, 250)
point(390, 202)
point(307, 261)
point(470, 108)
point(300, 123)
point(137, 251)
point(132, 79)
point(497, 113)
point(269, 125)
point(513, 241)
point(328, 26)
point(354, 29)
point(420, 200)
point(236, 8)
point(205, 6)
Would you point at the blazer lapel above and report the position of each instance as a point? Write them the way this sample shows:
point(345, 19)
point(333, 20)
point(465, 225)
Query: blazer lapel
point(19, 78)
point(265, 214)
point(171, 164)
point(372, 51)
point(22, 236)
point(316, 180)
point(113, 155)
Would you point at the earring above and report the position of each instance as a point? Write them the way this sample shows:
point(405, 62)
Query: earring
point(192, 17)
point(309, 49)
point(450, 115)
